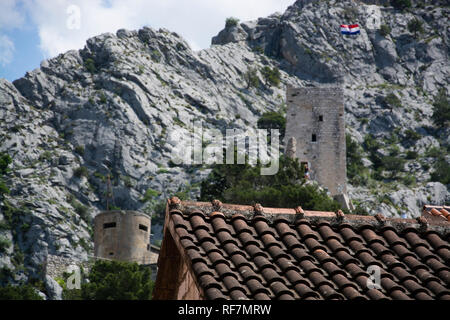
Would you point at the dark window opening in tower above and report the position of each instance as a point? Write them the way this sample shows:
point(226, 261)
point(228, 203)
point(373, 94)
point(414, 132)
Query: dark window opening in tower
point(111, 253)
point(109, 225)
point(320, 118)
point(314, 138)
point(142, 227)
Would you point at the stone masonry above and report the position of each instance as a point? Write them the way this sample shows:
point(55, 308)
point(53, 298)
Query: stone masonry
point(315, 119)
point(122, 235)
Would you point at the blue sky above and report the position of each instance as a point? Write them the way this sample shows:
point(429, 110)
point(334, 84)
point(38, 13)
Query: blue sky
point(33, 30)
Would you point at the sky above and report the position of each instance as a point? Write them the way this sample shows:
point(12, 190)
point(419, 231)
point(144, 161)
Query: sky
point(34, 30)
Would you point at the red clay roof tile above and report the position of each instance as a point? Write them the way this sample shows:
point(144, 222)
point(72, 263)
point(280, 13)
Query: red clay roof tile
point(245, 252)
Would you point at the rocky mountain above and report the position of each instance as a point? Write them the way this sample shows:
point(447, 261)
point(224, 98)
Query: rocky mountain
point(108, 111)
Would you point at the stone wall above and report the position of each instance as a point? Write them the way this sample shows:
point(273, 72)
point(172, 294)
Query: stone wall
point(315, 118)
point(56, 265)
point(122, 235)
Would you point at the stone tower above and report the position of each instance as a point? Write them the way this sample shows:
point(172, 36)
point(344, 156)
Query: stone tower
point(122, 235)
point(315, 119)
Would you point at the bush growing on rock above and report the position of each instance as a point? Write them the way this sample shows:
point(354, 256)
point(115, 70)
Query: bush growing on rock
point(271, 76)
point(231, 22)
point(243, 184)
point(441, 109)
point(81, 172)
point(391, 100)
point(251, 78)
point(415, 26)
point(441, 171)
point(23, 292)
point(385, 30)
point(89, 64)
point(401, 4)
point(79, 149)
point(273, 120)
point(4, 244)
point(355, 167)
point(5, 161)
point(114, 280)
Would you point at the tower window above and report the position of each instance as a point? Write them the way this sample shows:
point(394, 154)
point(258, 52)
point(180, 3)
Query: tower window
point(109, 225)
point(314, 138)
point(142, 227)
point(111, 253)
point(320, 118)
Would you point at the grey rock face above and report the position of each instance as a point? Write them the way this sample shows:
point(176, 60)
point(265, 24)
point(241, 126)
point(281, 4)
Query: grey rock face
point(54, 290)
point(113, 107)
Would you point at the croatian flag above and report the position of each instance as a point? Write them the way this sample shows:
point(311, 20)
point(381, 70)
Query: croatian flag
point(349, 29)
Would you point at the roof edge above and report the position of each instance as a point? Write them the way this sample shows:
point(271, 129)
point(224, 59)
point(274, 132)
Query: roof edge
point(293, 214)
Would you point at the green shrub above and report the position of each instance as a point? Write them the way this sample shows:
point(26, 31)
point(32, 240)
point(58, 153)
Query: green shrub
point(24, 292)
point(412, 155)
point(273, 120)
point(103, 99)
point(391, 100)
point(244, 184)
point(89, 64)
point(128, 182)
point(251, 78)
point(100, 176)
point(415, 26)
point(114, 280)
point(364, 120)
point(46, 155)
point(271, 76)
point(401, 4)
point(412, 135)
point(393, 164)
point(5, 161)
point(79, 150)
point(441, 109)
point(81, 210)
point(355, 167)
point(372, 145)
point(385, 30)
point(3, 188)
point(441, 171)
point(4, 244)
point(81, 172)
point(150, 194)
point(156, 55)
point(433, 152)
point(231, 22)
point(409, 180)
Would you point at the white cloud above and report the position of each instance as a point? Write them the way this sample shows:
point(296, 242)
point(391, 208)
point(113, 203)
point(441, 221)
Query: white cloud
point(10, 15)
point(10, 18)
point(196, 20)
point(6, 50)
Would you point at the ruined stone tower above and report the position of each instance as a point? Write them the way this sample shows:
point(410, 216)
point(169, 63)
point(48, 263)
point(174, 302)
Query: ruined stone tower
point(122, 235)
point(315, 119)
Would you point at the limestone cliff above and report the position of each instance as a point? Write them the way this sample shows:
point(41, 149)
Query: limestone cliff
point(109, 109)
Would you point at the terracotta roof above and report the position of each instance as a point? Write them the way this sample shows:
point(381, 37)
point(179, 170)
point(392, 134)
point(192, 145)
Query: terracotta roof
point(251, 252)
point(436, 213)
